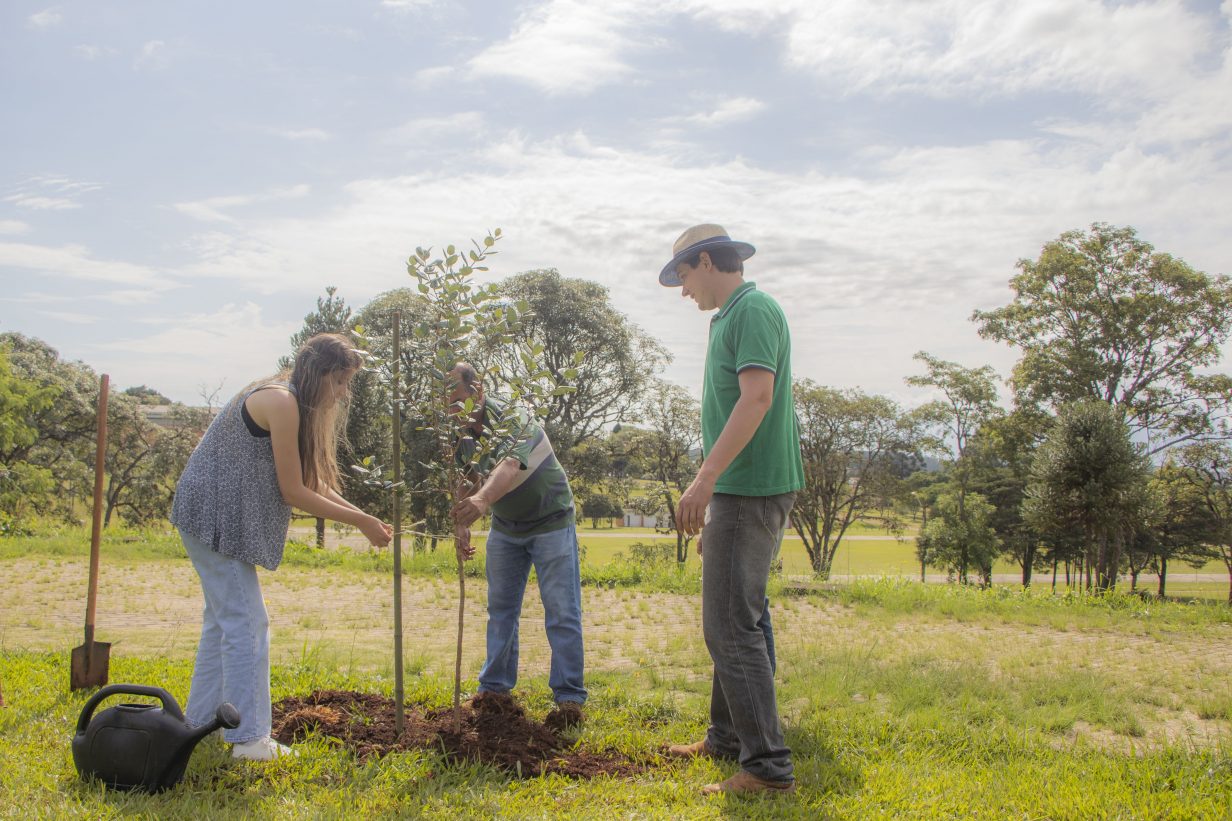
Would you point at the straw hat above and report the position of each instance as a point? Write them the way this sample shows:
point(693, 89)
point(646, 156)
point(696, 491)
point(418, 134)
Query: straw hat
point(699, 238)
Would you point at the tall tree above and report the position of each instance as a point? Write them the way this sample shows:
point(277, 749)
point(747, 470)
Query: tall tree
point(957, 538)
point(674, 418)
point(1208, 467)
point(851, 444)
point(969, 401)
point(64, 445)
point(1186, 516)
point(1102, 315)
point(567, 317)
point(1005, 447)
point(1089, 478)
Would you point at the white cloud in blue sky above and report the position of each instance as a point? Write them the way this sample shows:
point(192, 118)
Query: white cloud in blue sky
point(183, 181)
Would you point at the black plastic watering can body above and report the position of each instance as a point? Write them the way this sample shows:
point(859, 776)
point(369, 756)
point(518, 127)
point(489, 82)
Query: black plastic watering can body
point(139, 746)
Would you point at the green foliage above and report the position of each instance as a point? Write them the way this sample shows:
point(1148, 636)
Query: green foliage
point(1102, 315)
point(1089, 478)
point(62, 411)
point(566, 317)
point(853, 445)
point(957, 538)
point(675, 435)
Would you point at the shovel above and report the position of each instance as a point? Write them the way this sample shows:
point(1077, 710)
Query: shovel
point(90, 660)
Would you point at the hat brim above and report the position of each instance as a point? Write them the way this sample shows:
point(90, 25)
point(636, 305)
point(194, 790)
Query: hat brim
point(670, 279)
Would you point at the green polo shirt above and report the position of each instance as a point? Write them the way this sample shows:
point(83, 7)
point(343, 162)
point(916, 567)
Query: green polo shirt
point(539, 500)
point(750, 331)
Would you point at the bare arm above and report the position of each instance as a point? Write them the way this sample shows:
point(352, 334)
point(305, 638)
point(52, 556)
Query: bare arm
point(756, 395)
point(277, 411)
point(494, 486)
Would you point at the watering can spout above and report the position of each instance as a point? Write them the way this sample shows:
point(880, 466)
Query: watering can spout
point(227, 717)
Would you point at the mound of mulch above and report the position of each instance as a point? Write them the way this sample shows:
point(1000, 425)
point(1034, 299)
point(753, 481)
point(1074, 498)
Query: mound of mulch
point(494, 729)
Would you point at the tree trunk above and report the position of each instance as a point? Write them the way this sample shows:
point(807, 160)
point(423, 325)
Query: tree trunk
point(320, 533)
point(1163, 575)
point(1054, 574)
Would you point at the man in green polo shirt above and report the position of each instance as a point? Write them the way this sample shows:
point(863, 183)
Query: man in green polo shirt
point(747, 484)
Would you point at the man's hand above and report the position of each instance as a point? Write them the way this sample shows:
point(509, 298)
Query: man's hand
point(699, 543)
point(691, 511)
point(468, 510)
point(462, 542)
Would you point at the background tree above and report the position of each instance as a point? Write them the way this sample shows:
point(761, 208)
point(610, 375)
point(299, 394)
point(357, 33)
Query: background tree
point(1208, 466)
point(1089, 478)
point(958, 537)
point(1003, 450)
point(64, 446)
point(850, 443)
point(970, 397)
point(24, 488)
point(675, 436)
point(1102, 315)
point(565, 317)
point(1183, 514)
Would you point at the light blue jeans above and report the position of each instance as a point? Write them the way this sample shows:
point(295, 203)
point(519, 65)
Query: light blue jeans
point(233, 656)
point(554, 556)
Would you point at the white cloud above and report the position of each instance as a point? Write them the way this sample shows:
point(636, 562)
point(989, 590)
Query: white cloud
point(735, 110)
point(91, 52)
point(436, 130)
point(76, 262)
point(50, 193)
point(13, 227)
point(566, 46)
point(954, 47)
point(38, 203)
point(153, 55)
point(71, 317)
point(45, 18)
point(910, 250)
point(212, 209)
point(408, 5)
point(302, 134)
point(234, 343)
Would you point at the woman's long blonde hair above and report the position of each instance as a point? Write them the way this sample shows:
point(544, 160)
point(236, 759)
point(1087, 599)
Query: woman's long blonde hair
point(321, 421)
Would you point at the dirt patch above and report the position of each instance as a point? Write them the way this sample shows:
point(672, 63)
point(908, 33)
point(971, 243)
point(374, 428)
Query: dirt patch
point(494, 730)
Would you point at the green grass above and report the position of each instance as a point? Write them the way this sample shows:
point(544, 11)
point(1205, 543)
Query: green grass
point(922, 734)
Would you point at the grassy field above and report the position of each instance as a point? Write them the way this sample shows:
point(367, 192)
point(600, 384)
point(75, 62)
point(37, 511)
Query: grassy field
point(899, 699)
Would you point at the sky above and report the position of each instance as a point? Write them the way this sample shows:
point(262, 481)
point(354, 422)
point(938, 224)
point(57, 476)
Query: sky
point(179, 182)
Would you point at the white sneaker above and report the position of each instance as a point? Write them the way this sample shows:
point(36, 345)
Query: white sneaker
point(260, 749)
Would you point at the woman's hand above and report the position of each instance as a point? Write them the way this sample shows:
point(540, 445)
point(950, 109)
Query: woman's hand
point(376, 531)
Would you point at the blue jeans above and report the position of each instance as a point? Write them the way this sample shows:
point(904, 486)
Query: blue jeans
point(554, 556)
point(233, 655)
point(741, 540)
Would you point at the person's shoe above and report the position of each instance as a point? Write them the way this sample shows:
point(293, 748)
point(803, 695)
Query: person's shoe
point(260, 749)
point(745, 783)
point(698, 749)
point(566, 716)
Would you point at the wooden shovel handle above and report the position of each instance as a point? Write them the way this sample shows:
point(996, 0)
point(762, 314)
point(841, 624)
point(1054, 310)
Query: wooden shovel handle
point(100, 457)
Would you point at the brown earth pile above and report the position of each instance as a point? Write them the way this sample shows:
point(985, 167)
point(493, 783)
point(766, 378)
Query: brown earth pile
point(494, 729)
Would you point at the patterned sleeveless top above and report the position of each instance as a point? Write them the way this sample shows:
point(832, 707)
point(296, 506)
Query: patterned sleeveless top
point(228, 495)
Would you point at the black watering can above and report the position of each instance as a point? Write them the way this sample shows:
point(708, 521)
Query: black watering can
point(140, 746)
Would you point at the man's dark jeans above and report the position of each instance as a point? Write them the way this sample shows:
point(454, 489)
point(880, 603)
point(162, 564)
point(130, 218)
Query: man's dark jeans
point(741, 541)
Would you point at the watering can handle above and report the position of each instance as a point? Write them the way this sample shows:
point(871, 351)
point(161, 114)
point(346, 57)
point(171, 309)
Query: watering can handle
point(169, 704)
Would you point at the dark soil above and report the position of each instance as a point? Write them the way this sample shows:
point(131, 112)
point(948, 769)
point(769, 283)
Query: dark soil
point(493, 730)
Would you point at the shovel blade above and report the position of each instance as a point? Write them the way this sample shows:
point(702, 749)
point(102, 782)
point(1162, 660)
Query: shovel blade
point(89, 665)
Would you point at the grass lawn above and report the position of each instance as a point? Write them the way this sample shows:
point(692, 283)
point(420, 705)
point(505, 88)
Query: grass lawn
point(898, 699)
